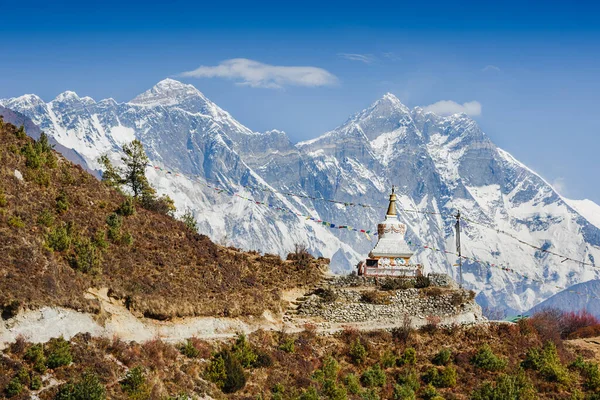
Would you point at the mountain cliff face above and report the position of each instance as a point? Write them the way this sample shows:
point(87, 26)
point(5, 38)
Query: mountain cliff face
point(440, 164)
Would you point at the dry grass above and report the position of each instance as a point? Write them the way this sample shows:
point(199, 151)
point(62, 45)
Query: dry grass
point(169, 372)
point(167, 272)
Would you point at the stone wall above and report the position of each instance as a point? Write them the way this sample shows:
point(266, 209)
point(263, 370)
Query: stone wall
point(352, 299)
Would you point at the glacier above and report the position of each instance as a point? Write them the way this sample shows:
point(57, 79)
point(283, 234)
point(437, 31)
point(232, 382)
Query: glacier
point(438, 163)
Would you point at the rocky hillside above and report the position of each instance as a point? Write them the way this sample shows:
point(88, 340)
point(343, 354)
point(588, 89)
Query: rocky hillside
point(439, 164)
point(523, 361)
point(62, 232)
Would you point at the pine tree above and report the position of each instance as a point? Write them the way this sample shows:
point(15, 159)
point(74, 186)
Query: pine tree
point(111, 174)
point(136, 160)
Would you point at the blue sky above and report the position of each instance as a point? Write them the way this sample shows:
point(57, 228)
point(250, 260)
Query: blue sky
point(533, 67)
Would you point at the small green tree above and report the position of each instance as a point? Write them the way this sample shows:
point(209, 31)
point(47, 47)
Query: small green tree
point(442, 357)
point(111, 175)
point(136, 160)
point(358, 352)
point(58, 353)
point(373, 376)
point(189, 220)
point(88, 387)
point(14, 387)
point(134, 384)
point(487, 360)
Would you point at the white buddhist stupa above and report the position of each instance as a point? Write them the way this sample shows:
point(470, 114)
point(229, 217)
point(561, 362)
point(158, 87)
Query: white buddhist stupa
point(391, 255)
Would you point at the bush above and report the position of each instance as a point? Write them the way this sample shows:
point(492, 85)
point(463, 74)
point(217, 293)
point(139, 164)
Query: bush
point(403, 332)
point(358, 352)
point(87, 388)
point(14, 387)
point(35, 355)
point(409, 357)
point(46, 218)
point(189, 220)
point(442, 357)
point(422, 282)
point(58, 353)
point(515, 387)
point(403, 392)
point(59, 238)
point(574, 321)
point(487, 360)
point(15, 221)
point(327, 295)
point(189, 350)
point(287, 345)
point(352, 383)
point(114, 222)
point(126, 208)
point(309, 394)
point(373, 376)
point(62, 203)
point(547, 363)
point(36, 382)
point(86, 257)
point(430, 393)
point(397, 284)
point(590, 373)
point(243, 352)
point(134, 384)
point(441, 378)
point(388, 359)
point(375, 297)
point(409, 379)
point(330, 368)
point(334, 392)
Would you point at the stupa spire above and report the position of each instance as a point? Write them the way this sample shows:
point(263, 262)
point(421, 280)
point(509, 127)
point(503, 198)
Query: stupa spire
point(391, 211)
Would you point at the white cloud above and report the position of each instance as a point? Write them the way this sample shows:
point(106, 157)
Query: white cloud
point(449, 107)
point(256, 74)
point(392, 56)
point(491, 68)
point(365, 58)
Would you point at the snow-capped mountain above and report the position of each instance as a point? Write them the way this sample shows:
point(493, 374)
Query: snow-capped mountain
point(440, 164)
point(582, 296)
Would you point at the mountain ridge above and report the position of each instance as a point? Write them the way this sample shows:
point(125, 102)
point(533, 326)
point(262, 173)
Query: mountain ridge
point(438, 163)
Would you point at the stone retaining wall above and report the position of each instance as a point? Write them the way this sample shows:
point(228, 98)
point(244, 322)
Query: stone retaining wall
point(350, 305)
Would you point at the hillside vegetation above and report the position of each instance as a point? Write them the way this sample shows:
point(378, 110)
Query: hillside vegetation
point(62, 231)
point(523, 361)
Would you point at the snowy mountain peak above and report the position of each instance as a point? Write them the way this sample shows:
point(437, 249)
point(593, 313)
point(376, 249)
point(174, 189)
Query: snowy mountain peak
point(67, 96)
point(25, 101)
point(169, 92)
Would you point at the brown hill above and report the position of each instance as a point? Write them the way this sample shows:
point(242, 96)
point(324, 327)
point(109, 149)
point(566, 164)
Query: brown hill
point(60, 235)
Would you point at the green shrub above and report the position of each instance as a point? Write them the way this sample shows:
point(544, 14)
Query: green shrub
point(62, 203)
point(59, 238)
point(373, 376)
point(58, 353)
point(403, 392)
point(442, 357)
point(127, 208)
point(36, 382)
point(397, 284)
point(134, 384)
point(16, 222)
point(215, 371)
point(333, 391)
point(309, 394)
point(429, 392)
point(410, 379)
point(287, 345)
point(189, 350)
point(33, 159)
point(243, 352)
point(126, 239)
point(589, 371)
point(330, 368)
point(487, 360)
point(352, 383)
point(189, 220)
point(20, 133)
point(86, 388)
point(226, 371)
point(409, 357)
point(442, 378)
point(114, 222)
point(46, 218)
point(509, 387)
point(547, 363)
point(86, 257)
point(35, 355)
point(99, 240)
point(370, 394)
point(388, 359)
point(358, 352)
point(14, 388)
